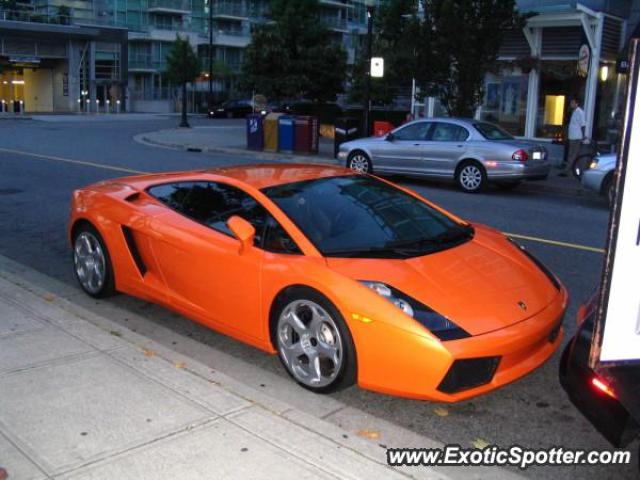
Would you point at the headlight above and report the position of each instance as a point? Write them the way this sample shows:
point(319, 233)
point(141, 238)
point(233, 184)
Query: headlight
point(593, 164)
point(439, 325)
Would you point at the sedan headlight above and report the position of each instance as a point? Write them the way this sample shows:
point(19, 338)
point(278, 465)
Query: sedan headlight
point(439, 325)
point(593, 164)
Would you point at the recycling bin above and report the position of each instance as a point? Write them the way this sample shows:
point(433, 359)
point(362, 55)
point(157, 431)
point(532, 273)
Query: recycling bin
point(346, 130)
point(286, 133)
point(270, 128)
point(382, 128)
point(306, 134)
point(255, 134)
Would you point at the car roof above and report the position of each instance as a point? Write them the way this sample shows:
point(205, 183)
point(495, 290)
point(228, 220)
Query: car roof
point(257, 175)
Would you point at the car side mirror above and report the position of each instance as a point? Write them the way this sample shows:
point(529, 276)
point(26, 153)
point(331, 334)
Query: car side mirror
point(243, 231)
point(390, 137)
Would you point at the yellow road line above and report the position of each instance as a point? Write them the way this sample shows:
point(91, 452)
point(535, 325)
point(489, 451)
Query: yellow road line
point(129, 170)
point(75, 162)
point(556, 243)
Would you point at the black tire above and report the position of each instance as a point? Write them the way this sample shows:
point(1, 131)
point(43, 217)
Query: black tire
point(508, 185)
point(107, 287)
point(358, 161)
point(464, 173)
point(608, 189)
point(347, 373)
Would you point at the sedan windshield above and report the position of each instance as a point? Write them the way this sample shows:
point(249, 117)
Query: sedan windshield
point(492, 132)
point(359, 216)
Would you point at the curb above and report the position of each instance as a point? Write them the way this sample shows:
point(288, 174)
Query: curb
point(532, 187)
point(277, 157)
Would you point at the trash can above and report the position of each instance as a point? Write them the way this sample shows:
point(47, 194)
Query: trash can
point(255, 135)
point(286, 133)
point(382, 128)
point(17, 106)
point(346, 130)
point(306, 134)
point(270, 127)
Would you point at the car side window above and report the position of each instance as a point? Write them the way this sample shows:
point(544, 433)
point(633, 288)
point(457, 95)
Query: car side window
point(449, 132)
point(415, 131)
point(212, 204)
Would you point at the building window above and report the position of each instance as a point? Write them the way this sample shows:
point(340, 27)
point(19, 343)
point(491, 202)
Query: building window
point(559, 81)
point(505, 100)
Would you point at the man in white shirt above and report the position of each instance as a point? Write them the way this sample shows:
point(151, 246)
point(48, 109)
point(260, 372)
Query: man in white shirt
point(577, 126)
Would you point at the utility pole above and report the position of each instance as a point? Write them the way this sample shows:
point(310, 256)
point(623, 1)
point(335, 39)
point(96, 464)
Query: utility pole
point(367, 93)
point(210, 97)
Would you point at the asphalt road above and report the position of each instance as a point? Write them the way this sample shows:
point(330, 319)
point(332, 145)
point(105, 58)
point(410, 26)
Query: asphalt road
point(42, 162)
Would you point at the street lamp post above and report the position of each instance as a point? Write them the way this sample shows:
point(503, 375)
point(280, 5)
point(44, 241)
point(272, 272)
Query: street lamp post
point(210, 97)
point(367, 89)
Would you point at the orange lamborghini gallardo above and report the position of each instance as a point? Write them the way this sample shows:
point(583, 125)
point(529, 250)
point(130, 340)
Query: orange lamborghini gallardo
point(347, 277)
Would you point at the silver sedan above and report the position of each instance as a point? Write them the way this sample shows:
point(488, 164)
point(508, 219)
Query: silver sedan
point(599, 175)
point(473, 153)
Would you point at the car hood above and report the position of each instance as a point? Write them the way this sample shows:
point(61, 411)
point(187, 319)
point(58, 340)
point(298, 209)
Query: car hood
point(480, 285)
point(363, 141)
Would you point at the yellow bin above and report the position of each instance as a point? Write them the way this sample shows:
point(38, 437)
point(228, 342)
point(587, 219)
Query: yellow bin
point(270, 127)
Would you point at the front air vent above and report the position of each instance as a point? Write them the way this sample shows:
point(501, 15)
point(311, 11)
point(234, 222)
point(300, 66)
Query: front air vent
point(133, 249)
point(133, 197)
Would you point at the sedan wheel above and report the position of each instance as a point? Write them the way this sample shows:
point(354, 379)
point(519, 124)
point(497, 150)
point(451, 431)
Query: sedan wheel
point(314, 345)
point(359, 162)
point(471, 177)
point(92, 264)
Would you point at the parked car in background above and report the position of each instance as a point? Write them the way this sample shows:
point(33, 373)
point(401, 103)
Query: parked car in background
point(235, 109)
point(327, 112)
point(599, 175)
point(472, 153)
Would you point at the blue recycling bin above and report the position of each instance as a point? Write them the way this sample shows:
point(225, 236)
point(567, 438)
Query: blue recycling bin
point(255, 138)
point(286, 133)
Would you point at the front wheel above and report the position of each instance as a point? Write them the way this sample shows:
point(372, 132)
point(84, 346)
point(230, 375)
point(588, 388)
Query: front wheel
point(471, 177)
point(314, 343)
point(92, 263)
point(580, 165)
point(359, 162)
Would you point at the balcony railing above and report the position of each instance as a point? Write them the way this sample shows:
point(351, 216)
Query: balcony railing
point(35, 17)
point(231, 9)
point(182, 5)
point(146, 62)
point(335, 22)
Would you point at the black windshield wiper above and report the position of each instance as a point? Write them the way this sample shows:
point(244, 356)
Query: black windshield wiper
point(382, 252)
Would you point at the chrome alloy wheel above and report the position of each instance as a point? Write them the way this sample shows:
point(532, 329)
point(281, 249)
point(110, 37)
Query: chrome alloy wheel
point(90, 262)
point(471, 177)
point(309, 343)
point(359, 163)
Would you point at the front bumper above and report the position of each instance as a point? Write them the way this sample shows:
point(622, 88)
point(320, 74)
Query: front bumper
point(417, 368)
point(592, 179)
point(512, 171)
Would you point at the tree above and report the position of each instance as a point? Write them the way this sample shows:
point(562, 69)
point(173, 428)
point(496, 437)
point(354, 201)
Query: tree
point(182, 67)
point(292, 55)
point(394, 30)
point(457, 45)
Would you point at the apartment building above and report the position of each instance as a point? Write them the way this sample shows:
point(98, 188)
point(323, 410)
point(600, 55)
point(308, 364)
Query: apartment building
point(103, 55)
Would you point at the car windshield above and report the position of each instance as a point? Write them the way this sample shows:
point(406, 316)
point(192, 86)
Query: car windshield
point(359, 216)
point(492, 132)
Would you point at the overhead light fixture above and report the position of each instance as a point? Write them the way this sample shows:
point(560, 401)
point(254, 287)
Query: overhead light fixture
point(17, 82)
point(604, 73)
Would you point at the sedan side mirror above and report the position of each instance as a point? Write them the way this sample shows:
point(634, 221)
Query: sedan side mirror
point(243, 231)
point(390, 137)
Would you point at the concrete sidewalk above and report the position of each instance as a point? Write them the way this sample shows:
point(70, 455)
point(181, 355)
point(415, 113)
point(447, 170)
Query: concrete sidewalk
point(79, 401)
point(231, 140)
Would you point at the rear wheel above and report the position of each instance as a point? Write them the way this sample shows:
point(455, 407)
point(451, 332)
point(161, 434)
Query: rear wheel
point(359, 162)
point(471, 177)
point(92, 263)
point(313, 342)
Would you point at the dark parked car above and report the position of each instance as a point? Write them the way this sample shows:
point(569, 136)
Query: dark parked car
point(609, 397)
point(326, 112)
point(232, 109)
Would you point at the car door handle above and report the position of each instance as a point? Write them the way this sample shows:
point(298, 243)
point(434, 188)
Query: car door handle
point(416, 144)
point(459, 146)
